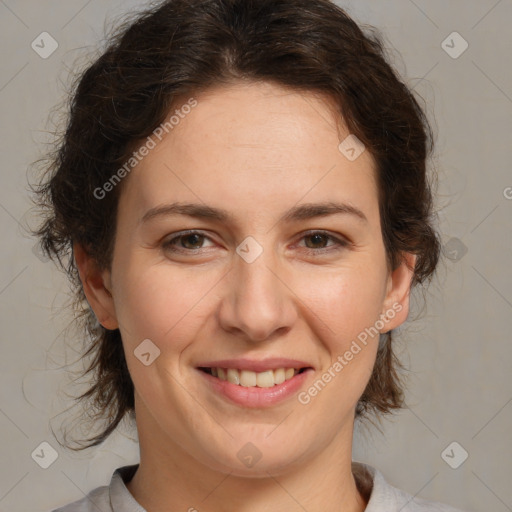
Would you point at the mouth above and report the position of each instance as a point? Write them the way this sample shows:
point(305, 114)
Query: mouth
point(252, 383)
point(250, 379)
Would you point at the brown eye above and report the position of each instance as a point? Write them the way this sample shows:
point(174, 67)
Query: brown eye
point(188, 241)
point(318, 240)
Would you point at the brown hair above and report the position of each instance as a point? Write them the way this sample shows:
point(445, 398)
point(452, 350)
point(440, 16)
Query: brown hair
point(182, 47)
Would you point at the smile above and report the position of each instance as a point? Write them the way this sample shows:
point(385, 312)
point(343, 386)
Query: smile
point(255, 384)
point(248, 378)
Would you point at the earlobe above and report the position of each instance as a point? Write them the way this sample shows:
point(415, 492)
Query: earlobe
point(97, 288)
point(396, 303)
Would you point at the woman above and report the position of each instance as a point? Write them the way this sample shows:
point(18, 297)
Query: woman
point(241, 202)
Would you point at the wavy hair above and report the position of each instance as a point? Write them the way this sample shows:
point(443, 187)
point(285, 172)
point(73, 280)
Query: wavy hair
point(182, 47)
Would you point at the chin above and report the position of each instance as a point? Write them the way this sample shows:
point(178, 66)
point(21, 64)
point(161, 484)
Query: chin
point(254, 459)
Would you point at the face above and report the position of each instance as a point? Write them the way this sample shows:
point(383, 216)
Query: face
point(249, 247)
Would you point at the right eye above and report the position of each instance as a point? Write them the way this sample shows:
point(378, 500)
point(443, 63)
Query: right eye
point(188, 241)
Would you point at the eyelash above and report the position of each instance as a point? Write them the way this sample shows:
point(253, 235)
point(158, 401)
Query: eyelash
point(339, 243)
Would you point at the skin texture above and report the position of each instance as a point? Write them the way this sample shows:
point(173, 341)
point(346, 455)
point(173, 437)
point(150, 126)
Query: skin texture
point(255, 150)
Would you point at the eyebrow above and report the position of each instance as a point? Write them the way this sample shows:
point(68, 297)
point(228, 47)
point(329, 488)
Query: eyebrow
point(296, 213)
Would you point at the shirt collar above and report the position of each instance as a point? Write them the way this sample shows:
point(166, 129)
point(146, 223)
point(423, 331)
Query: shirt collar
point(121, 499)
point(371, 482)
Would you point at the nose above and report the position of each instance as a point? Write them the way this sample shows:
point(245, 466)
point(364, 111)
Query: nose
point(258, 302)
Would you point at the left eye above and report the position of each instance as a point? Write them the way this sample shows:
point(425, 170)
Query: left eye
point(317, 244)
point(320, 238)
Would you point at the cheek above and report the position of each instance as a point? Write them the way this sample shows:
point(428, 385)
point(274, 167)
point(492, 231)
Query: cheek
point(161, 303)
point(349, 304)
point(347, 300)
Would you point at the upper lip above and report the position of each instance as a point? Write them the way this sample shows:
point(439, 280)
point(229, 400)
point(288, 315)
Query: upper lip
point(261, 365)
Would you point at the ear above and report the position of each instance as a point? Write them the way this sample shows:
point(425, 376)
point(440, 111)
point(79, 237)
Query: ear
point(396, 302)
point(97, 286)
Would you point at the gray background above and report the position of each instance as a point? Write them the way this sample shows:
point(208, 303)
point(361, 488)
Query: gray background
point(459, 350)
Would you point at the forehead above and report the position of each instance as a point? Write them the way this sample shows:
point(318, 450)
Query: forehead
point(250, 144)
point(261, 118)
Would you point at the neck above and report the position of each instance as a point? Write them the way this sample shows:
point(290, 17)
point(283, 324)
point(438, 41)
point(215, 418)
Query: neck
point(168, 478)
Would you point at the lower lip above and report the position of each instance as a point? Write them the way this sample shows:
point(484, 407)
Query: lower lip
point(255, 397)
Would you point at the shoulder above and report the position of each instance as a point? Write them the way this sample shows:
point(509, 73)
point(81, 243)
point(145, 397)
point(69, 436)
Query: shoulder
point(109, 498)
point(98, 500)
point(383, 497)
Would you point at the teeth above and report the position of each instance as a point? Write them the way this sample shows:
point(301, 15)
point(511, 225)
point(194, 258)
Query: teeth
point(279, 376)
point(233, 376)
point(247, 378)
point(265, 379)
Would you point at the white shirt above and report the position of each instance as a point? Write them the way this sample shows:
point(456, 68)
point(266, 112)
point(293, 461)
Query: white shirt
point(383, 497)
